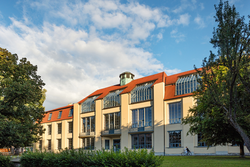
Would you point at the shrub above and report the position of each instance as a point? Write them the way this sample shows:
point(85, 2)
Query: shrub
point(79, 158)
point(5, 161)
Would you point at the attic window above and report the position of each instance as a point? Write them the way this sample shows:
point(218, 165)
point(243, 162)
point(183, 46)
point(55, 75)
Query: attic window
point(89, 104)
point(50, 115)
point(71, 112)
point(113, 99)
point(186, 84)
point(142, 92)
point(59, 115)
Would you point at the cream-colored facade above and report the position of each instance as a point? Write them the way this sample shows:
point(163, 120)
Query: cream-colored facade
point(92, 128)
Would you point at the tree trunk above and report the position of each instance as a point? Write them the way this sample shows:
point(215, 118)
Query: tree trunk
point(242, 153)
point(244, 136)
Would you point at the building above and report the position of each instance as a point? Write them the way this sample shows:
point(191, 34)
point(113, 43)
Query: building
point(137, 113)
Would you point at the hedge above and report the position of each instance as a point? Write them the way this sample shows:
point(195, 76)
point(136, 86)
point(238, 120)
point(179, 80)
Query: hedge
point(81, 158)
point(5, 161)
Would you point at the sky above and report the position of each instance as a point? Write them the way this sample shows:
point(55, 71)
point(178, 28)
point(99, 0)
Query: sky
point(80, 46)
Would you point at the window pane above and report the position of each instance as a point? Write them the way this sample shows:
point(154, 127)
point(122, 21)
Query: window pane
point(49, 129)
point(93, 124)
point(49, 144)
point(106, 118)
point(112, 99)
point(148, 116)
point(141, 117)
point(70, 143)
point(70, 127)
point(117, 120)
point(141, 140)
point(175, 139)
point(175, 113)
point(134, 119)
point(107, 144)
point(186, 84)
point(84, 125)
point(88, 124)
point(89, 104)
point(149, 140)
point(59, 128)
point(59, 144)
point(111, 121)
point(59, 115)
point(50, 115)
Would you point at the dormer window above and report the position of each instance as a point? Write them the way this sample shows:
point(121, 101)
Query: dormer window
point(71, 112)
point(59, 115)
point(113, 99)
point(50, 115)
point(89, 104)
point(142, 92)
point(186, 84)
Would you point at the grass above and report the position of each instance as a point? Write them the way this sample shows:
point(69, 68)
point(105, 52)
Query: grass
point(214, 161)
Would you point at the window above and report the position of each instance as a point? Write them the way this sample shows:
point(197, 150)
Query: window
point(71, 112)
point(112, 99)
point(201, 143)
point(142, 92)
point(89, 104)
point(142, 140)
point(49, 144)
point(70, 143)
point(59, 115)
point(142, 117)
point(59, 128)
point(50, 115)
point(107, 144)
point(70, 127)
point(88, 124)
point(40, 144)
point(186, 84)
point(112, 121)
point(49, 129)
point(88, 143)
point(59, 144)
point(175, 138)
point(175, 113)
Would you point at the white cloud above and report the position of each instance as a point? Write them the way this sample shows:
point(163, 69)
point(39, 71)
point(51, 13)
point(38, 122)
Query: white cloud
point(185, 4)
point(173, 71)
point(198, 20)
point(202, 6)
point(179, 37)
point(184, 19)
point(74, 62)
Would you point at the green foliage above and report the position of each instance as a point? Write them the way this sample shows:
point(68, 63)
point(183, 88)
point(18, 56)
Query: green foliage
point(81, 157)
point(21, 98)
point(5, 161)
point(222, 111)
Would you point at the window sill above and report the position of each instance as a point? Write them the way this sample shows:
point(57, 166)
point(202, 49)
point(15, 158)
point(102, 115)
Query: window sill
point(111, 107)
point(173, 147)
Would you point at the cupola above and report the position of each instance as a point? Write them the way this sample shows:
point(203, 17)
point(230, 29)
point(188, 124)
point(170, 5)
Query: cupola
point(126, 77)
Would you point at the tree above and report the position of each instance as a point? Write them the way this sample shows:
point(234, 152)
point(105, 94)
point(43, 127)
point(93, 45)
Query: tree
point(223, 96)
point(21, 99)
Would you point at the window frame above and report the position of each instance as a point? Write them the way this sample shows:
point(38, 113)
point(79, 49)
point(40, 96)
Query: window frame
point(137, 141)
point(71, 112)
point(107, 147)
point(59, 128)
point(113, 99)
point(186, 84)
point(59, 144)
point(176, 115)
point(142, 92)
point(109, 116)
point(138, 121)
point(49, 144)
point(175, 144)
point(88, 128)
point(70, 127)
point(199, 142)
point(88, 143)
point(70, 143)
point(89, 104)
point(49, 129)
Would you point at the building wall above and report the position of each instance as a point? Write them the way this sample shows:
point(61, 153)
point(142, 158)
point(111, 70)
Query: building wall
point(160, 129)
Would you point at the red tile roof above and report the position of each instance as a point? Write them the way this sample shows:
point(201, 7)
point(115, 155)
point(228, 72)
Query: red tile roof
point(65, 114)
point(157, 78)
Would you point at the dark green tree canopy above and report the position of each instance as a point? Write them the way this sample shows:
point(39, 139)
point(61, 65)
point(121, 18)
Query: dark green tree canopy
point(222, 114)
point(21, 99)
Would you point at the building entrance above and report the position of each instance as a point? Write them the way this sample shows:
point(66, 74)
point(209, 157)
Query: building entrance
point(116, 144)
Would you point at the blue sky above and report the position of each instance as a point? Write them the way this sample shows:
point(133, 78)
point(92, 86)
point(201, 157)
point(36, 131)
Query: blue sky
point(83, 45)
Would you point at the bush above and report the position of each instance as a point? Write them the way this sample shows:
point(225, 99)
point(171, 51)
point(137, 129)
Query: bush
point(79, 158)
point(5, 161)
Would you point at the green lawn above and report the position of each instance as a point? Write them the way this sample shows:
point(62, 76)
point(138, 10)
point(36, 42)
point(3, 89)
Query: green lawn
point(220, 161)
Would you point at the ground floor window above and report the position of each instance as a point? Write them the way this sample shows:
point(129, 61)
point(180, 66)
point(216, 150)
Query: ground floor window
point(70, 143)
point(142, 140)
point(200, 142)
point(40, 144)
point(175, 138)
point(107, 144)
point(88, 143)
point(49, 144)
point(59, 144)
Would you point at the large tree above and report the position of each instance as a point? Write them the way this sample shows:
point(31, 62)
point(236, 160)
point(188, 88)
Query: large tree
point(224, 92)
point(21, 99)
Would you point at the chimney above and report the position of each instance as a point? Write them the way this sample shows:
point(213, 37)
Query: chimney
point(126, 77)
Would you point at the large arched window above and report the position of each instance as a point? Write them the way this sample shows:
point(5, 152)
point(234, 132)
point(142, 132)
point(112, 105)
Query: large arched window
point(186, 84)
point(142, 92)
point(113, 99)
